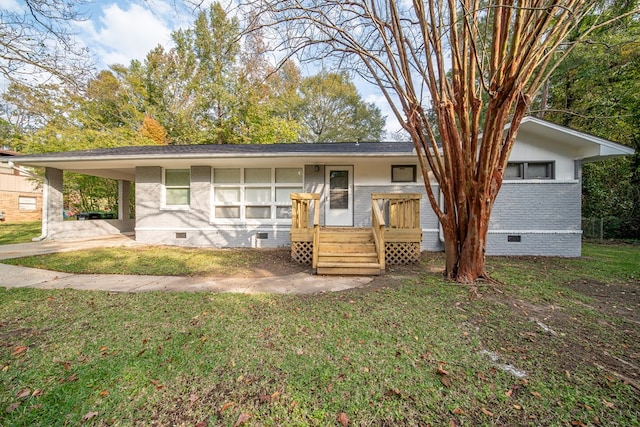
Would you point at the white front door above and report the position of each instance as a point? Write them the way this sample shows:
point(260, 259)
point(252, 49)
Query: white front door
point(338, 201)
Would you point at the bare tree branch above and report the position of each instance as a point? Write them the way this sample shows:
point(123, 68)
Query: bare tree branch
point(37, 41)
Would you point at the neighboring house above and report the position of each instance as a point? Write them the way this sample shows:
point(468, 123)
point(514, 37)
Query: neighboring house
point(20, 196)
point(238, 195)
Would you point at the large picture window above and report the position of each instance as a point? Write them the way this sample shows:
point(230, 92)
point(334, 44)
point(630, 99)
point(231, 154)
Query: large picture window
point(254, 193)
point(529, 170)
point(177, 187)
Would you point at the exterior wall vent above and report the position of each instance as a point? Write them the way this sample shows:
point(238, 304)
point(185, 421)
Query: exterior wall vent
point(181, 235)
point(262, 236)
point(514, 239)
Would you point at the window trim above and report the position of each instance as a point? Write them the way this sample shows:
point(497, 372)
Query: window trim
point(414, 174)
point(166, 206)
point(524, 167)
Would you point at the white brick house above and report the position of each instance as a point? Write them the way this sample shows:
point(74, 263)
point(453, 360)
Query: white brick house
point(237, 195)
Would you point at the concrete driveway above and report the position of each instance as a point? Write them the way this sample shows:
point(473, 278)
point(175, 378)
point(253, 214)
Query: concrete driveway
point(21, 277)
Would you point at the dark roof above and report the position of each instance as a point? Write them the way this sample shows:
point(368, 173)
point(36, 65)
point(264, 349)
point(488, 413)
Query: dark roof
point(251, 150)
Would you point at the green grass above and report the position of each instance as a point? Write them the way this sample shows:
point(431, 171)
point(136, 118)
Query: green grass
point(152, 260)
point(21, 232)
point(372, 353)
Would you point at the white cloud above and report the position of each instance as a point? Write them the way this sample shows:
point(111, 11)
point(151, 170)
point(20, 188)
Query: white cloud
point(10, 6)
point(119, 34)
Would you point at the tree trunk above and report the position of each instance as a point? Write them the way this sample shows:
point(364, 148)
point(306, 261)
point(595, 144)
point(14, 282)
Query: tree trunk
point(472, 251)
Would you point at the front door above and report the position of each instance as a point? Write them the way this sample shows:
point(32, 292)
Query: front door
point(338, 202)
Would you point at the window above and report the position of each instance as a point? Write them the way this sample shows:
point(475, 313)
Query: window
point(403, 173)
point(26, 203)
point(177, 187)
point(254, 193)
point(529, 170)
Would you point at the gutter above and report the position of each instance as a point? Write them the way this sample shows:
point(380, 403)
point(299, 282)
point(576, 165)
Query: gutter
point(45, 201)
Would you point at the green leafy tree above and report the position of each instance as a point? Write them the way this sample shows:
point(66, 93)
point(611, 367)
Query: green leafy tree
point(266, 96)
point(331, 110)
point(597, 90)
point(210, 88)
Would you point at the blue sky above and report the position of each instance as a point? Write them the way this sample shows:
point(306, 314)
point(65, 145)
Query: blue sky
point(119, 31)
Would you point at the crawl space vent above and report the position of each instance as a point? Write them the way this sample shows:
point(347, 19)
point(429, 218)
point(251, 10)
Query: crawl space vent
point(181, 235)
point(514, 239)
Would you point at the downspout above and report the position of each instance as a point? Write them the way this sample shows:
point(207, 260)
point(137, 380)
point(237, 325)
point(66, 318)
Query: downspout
point(45, 201)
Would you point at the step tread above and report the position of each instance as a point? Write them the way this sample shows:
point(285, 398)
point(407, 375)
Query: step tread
point(349, 271)
point(326, 264)
point(348, 254)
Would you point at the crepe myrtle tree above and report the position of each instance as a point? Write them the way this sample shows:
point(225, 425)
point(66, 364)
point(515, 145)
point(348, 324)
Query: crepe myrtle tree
point(473, 65)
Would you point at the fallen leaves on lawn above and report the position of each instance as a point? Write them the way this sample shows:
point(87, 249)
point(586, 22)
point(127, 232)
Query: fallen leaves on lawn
point(12, 407)
point(487, 412)
point(89, 416)
point(242, 419)
point(19, 350)
point(24, 393)
point(226, 406)
point(264, 398)
point(343, 419)
point(444, 375)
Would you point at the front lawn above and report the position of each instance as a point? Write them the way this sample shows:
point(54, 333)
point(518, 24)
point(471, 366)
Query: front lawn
point(19, 232)
point(166, 261)
point(557, 344)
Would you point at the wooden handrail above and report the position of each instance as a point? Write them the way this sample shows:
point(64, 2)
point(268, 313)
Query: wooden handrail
point(300, 210)
point(300, 218)
point(378, 226)
point(403, 209)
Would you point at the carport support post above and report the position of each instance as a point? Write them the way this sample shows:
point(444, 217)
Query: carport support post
point(124, 187)
point(54, 201)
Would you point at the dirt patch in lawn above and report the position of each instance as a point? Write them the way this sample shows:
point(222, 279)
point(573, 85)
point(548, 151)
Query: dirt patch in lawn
point(276, 262)
point(619, 299)
point(600, 332)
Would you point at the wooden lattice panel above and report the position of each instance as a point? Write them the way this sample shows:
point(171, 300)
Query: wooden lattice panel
point(402, 253)
point(302, 252)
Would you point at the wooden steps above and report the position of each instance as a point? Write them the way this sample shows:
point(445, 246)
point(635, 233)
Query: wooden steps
point(347, 251)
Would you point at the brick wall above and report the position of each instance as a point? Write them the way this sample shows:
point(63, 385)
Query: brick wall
point(537, 218)
point(9, 205)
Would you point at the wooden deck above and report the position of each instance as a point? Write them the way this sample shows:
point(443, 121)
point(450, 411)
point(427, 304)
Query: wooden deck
point(394, 237)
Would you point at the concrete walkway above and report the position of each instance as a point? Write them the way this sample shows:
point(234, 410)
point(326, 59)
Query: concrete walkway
point(20, 277)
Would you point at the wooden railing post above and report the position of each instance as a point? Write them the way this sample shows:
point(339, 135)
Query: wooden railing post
point(378, 226)
point(302, 233)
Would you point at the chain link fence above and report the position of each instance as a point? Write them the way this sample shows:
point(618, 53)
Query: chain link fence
point(610, 227)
